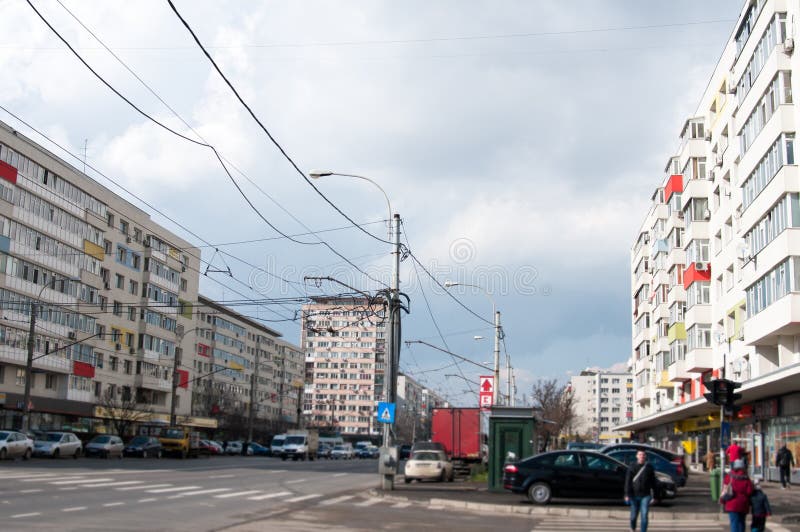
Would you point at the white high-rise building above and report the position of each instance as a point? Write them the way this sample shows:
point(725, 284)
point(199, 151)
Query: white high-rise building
point(603, 399)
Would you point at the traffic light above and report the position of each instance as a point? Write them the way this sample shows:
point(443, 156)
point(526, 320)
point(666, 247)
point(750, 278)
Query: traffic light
point(731, 397)
point(711, 396)
point(722, 392)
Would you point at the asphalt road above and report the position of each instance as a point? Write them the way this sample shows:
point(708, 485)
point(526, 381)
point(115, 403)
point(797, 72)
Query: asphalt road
point(169, 494)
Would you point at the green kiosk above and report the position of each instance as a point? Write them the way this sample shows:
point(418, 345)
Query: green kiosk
point(511, 430)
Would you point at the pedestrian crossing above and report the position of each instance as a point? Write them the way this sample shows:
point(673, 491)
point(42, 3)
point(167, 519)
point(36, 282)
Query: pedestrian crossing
point(561, 523)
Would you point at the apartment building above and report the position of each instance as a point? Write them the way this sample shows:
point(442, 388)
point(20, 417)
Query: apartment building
point(112, 290)
point(237, 360)
point(716, 263)
point(344, 339)
point(603, 399)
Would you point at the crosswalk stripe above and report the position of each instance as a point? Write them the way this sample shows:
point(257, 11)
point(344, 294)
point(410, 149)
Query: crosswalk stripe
point(20, 516)
point(49, 478)
point(297, 481)
point(304, 497)
point(341, 474)
point(401, 505)
point(148, 499)
point(368, 502)
point(337, 500)
point(106, 484)
point(110, 504)
point(127, 488)
point(170, 490)
point(74, 509)
point(200, 492)
point(31, 491)
point(236, 494)
point(82, 481)
point(269, 496)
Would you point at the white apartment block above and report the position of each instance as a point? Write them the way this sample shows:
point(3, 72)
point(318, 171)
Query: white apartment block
point(238, 360)
point(344, 339)
point(603, 400)
point(716, 264)
point(113, 290)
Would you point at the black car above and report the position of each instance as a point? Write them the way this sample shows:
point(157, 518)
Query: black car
point(659, 463)
point(574, 474)
point(405, 451)
point(143, 446)
point(677, 459)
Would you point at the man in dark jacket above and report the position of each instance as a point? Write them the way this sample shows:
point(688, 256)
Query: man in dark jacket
point(639, 485)
point(759, 504)
point(784, 460)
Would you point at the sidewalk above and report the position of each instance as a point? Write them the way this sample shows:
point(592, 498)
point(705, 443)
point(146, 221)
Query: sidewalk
point(693, 501)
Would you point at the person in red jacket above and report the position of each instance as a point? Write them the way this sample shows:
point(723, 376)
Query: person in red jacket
point(738, 505)
point(734, 452)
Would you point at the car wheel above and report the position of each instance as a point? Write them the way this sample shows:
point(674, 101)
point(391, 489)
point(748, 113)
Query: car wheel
point(56, 453)
point(77, 454)
point(443, 476)
point(540, 493)
point(3, 454)
point(407, 480)
point(27, 455)
point(452, 476)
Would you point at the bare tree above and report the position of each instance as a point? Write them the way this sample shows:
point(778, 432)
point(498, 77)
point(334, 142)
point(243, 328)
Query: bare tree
point(123, 409)
point(556, 405)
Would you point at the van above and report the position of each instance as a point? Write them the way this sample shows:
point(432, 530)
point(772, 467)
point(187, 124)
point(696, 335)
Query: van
point(276, 446)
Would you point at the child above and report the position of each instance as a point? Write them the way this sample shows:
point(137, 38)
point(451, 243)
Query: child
point(761, 508)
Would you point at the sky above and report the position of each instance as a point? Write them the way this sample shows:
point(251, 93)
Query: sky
point(520, 142)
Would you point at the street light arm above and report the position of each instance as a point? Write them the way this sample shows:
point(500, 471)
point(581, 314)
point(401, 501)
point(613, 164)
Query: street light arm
point(316, 174)
point(485, 292)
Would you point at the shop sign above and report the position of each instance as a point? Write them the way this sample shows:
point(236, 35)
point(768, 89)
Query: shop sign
point(768, 408)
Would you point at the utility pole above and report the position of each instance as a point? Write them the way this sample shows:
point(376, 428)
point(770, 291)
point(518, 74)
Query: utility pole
point(26, 407)
point(300, 407)
point(176, 361)
point(280, 389)
point(508, 382)
point(496, 357)
point(393, 345)
point(251, 411)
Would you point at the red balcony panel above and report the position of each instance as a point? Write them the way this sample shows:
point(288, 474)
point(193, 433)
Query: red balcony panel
point(8, 172)
point(202, 350)
point(692, 274)
point(674, 184)
point(183, 378)
point(82, 369)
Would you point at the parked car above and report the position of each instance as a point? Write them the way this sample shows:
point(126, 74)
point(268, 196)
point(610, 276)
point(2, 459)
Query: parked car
point(256, 449)
point(429, 465)
point(276, 446)
point(678, 459)
point(14, 444)
point(659, 463)
point(324, 450)
point(105, 446)
point(56, 444)
point(404, 453)
point(574, 474)
point(427, 446)
point(233, 447)
point(143, 446)
point(218, 445)
point(345, 452)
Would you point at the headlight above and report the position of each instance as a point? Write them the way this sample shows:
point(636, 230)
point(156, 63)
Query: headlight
point(663, 477)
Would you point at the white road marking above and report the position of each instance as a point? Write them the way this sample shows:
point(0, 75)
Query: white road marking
point(222, 476)
point(304, 497)
point(74, 509)
point(179, 488)
point(30, 491)
point(20, 516)
point(51, 477)
point(337, 500)
point(106, 484)
point(368, 502)
point(84, 481)
point(401, 505)
point(200, 492)
point(341, 474)
point(110, 504)
point(236, 494)
point(67, 489)
point(143, 487)
point(298, 481)
point(149, 499)
point(269, 496)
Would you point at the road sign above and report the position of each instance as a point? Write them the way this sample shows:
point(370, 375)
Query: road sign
point(485, 400)
point(386, 412)
point(486, 391)
point(725, 435)
point(487, 384)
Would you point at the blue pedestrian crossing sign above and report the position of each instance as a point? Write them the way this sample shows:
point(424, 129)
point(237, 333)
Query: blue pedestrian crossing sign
point(386, 412)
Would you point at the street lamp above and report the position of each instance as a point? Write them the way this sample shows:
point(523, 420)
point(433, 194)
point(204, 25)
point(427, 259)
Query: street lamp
point(26, 407)
point(393, 351)
point(497, 336)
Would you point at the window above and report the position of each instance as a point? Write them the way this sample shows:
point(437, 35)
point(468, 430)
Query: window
point(124, 227)
point(50, 381)
point(778, 282)
point(107, 246)
point(117, 308)
point(569, 460)
point(698, 293)
point(132, 313)
point(120, 281)
point(778, 92)
point(128, 368)
point(20, 377)
point(133, 287)
point(774, 34)
point(114, 363)
point(780, 153)
point(698, 337)
point(786, 213)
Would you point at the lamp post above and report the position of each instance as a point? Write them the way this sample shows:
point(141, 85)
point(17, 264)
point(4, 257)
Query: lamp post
point(497, 333)
point(26, 407)
point(393, 348)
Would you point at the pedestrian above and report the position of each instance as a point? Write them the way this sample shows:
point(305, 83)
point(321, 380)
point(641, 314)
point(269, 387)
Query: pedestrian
point(640, 482)
point(711, 460)
point(760, 508)
point(733, 452)
point(735, 497)
point(785, 460)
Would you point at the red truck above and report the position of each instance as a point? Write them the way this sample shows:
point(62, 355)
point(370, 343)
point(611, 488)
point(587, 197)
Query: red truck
point(461, 433)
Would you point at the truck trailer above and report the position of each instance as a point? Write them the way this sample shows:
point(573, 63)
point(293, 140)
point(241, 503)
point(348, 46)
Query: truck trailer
point(461, 432)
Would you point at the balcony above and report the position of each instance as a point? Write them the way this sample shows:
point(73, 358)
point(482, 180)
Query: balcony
point(697, 314)
point(786, 180)
point(696, 188)
point(149, 382)
point(84, 396)
point(781, 318)
point(786, 244)
point(699, 360)
point(696, 230)
point(677, 372)
point(19, 356)
point(676, 294)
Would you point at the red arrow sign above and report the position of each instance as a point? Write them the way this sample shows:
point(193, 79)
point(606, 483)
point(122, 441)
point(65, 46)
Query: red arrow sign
point(487, 384)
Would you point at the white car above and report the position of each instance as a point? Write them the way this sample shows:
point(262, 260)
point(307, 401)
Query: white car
point(233, 447)
point(105, 446)
point(344, 452)
point(13, 444)
point(57, 444)
point(429, 465)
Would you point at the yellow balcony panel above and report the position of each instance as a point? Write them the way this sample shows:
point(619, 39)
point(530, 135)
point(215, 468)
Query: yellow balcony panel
point(676, 332)
point(663, 381)
point(93, 250)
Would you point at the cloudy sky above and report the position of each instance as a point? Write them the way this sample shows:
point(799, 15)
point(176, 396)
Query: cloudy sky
point(519, 140)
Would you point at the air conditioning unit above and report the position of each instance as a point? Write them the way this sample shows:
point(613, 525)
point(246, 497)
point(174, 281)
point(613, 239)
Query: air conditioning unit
point(132, 350)
point(118, 347)
point(788, 45)
point(706, 214)
point(71, 335)
point(701, 266)
point(128, 239)
point(147, 242)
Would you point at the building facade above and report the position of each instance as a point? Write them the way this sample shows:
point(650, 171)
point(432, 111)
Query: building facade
point(344, 340)
point(111, 291)
point(237, 361)
point(415, 403)
point(602, 400)
point(715, 267)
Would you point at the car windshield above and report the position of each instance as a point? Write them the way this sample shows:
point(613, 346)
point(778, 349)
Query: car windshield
point(53, 436)
point(277, 440)
point(138, 440)
point(176, 434)
point(101, 439)
point(295, 440)
point(339, 448)
point(430, 456)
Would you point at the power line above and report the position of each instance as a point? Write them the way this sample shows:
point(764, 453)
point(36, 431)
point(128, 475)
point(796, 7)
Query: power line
point(263, 127)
